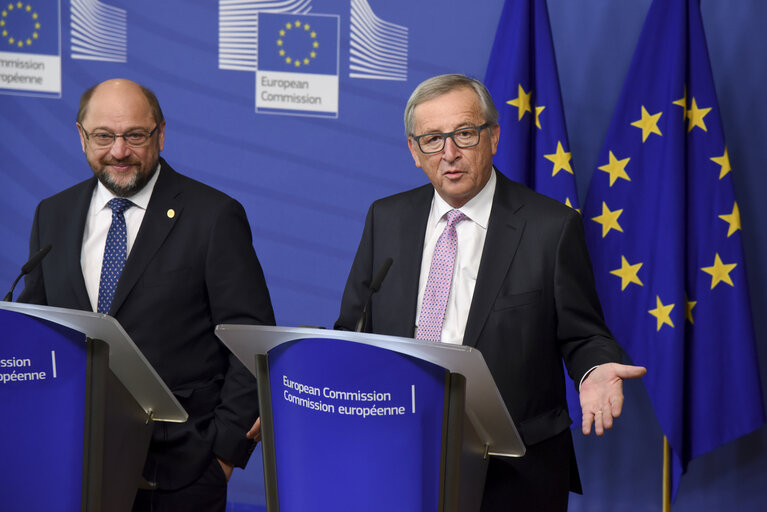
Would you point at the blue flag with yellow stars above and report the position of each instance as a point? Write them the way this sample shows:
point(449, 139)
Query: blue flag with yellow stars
point(522, 78)
point(664, 232)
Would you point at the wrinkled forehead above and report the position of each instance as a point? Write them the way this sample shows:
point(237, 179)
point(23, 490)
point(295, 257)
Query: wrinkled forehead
point(448, 111)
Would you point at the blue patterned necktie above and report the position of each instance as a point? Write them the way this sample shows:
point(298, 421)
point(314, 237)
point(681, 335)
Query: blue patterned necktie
point(115, 253)
point(439, 281)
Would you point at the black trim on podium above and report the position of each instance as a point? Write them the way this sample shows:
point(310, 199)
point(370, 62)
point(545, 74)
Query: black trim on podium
point(267, 433)
point(116, 436)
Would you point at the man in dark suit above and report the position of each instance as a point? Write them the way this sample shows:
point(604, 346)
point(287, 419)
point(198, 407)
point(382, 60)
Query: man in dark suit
point(518, 287)
point(188, 264)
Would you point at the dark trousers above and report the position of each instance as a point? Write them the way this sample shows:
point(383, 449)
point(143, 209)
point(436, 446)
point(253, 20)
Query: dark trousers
point(538, 482)
point(206, 494)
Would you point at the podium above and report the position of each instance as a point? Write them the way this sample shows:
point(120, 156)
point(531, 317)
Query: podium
point(354, 421)
point(79, 401)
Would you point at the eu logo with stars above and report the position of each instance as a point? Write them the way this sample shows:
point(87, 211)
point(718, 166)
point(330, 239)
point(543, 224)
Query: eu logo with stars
point(297, 69)
point(30, 49)
point(29, 28)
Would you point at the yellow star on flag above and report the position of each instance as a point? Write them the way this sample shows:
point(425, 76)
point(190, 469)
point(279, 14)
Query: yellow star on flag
point(568, 203)
point(616, 169)
point(662, 313)
point(627, 273)
point(724, 162)
point(522, 102)
point(682, 102)
point(608, 219)
point(538, 111)
point(648, 124)
point(561, 160)
point(733, 219)
point(720, 272)
point(696, 115)
point(690, 304)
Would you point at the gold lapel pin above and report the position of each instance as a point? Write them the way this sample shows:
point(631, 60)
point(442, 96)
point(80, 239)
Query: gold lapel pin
point(171, 213)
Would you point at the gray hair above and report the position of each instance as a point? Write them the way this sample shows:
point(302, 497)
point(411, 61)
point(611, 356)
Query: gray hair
point(443, 84)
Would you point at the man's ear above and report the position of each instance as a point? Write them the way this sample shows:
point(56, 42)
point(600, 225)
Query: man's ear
point(495, 135)
point(161, 135)
point(82, 135)
point(413, 151)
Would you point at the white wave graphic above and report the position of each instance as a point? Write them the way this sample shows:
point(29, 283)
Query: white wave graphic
point(238, 29)
point(99, 31)
point(378, 48)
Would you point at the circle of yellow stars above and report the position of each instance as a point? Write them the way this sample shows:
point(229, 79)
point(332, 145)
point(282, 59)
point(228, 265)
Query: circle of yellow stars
point(295, 27)
point(19, 42)
point(628, 273)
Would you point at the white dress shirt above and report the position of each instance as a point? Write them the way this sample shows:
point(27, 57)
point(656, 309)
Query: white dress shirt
point(471, 234)
point(97, 224)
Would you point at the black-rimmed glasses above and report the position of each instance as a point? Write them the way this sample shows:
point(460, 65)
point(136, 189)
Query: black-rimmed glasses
point(465, 137)
point(134, 138)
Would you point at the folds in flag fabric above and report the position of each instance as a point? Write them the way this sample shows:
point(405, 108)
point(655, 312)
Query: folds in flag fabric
point(522, 78)
point(664, 232)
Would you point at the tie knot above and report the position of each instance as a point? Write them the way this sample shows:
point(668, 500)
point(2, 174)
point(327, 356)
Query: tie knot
point(454, 217)
point(119, 205)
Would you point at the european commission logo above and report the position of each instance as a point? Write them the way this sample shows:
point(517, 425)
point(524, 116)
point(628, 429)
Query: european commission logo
point(297, 64)
point(99, 31)
point(30, 48)
point(378, 50)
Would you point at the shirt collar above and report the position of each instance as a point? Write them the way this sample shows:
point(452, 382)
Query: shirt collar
point(477, 209)
point(140, 198)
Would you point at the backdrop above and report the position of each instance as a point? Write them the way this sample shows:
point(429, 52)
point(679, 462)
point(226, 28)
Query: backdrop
point(307, 144)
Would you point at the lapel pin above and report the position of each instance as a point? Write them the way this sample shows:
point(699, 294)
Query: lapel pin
point(171, 213)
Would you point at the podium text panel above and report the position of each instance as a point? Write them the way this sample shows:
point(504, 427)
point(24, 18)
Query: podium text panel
point(42, 395)
point(356, 427)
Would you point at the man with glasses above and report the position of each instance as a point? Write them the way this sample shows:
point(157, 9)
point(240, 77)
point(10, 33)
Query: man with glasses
point(483, 261)
point(169, 258)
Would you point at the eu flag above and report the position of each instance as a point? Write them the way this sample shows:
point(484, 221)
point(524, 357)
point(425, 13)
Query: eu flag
point(664, 231)
point(522, 78)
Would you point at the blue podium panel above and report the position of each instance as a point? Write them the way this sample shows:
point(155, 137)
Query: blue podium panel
point(356, 427)
point(42, 396)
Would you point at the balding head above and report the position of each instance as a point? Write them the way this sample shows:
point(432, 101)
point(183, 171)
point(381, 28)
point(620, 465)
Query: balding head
point(120, 87)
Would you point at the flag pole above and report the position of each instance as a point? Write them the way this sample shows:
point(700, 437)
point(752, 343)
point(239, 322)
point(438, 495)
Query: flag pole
point(666, 475)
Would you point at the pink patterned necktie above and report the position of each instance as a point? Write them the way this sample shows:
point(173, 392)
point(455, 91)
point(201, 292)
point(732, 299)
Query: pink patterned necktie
point(440, 278)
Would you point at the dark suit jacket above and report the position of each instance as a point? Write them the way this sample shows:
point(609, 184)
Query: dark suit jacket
point(534, 302)
point(188, 270)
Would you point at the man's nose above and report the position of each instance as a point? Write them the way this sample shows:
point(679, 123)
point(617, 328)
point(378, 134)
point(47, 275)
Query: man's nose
point(119, 149)
point(451, 152)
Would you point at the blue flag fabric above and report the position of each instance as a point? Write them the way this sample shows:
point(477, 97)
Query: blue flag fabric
point(663, 228)
point(523, 81)
point(522, 78)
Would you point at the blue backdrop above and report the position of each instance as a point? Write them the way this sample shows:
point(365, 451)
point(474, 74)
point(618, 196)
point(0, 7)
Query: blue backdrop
point(306, 181)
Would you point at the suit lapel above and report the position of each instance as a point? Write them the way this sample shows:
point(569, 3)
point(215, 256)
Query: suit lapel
point(412, 231)
point(154, 229)
point(504, 233)
point(73, 239)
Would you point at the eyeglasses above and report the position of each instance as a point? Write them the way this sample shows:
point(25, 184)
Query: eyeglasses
point(135, 138)
point(465, 137)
